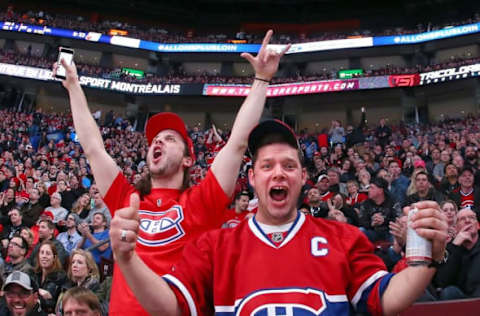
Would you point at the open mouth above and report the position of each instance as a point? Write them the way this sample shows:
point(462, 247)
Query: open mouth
point(278, 193)
point(157, 154)
point(19, 308)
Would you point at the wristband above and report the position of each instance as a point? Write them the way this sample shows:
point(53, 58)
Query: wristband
point(441, 262)
point(264, 80)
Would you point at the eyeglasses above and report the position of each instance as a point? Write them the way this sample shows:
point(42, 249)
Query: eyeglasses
point(22, 294)
point(471, 218)
point(15, 244)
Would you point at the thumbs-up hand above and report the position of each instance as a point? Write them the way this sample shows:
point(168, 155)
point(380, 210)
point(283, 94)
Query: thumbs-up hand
point(123, 230)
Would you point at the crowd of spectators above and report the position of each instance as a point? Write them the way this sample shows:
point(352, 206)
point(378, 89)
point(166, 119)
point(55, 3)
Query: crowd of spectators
point(55, 224)
point(172, 35)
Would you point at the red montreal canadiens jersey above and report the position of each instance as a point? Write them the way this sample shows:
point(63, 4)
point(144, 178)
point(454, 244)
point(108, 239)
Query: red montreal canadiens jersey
point(232, 219)
point(467, 200)
point(326, 196)
point(320, 268)
point(168, 219)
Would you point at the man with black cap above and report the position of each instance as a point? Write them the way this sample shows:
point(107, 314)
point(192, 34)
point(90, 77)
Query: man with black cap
point(378, 211)
point(21, 296)
point(253, 269)
point(171, 214)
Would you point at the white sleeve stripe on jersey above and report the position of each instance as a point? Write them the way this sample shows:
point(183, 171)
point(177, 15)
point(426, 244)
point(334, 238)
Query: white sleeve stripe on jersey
point(184, 290)
point(224, 309)
point(365, 285)
point(336, 298)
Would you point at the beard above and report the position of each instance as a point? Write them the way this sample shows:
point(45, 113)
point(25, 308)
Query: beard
point(164, 168)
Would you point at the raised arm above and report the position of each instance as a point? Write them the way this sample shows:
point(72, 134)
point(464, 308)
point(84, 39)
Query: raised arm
point(218, 138)
point(104, 168)
point(152, 292)
point(227, 163)
point(405, 287)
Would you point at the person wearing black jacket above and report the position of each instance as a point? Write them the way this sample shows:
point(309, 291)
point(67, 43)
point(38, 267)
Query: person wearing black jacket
point(425, 191)
point(378, 211)
point(459, 277)
point(449, 182)
point(355, 135)
point(383, 133)
point(31, 211)
point(7, 201)
point(49, 275)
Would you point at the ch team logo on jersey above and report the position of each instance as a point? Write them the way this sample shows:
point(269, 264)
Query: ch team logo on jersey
point(231, 223)
point(283, 302)
point(160, 228)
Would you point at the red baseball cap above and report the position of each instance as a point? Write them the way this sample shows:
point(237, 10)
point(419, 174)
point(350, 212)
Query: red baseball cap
point(168, 120)
point(419, 164)
point(47, 215)
point(23, 194)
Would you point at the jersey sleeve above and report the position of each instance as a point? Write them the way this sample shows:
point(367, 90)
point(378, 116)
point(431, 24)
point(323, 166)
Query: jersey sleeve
point(368, 276)
point(209, 202)
point(191, 279)
point(118, 193)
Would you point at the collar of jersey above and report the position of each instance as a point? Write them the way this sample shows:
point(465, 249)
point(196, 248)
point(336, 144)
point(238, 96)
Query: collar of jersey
point(260, 234)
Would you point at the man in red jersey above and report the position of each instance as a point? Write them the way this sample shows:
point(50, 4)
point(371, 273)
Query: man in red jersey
point(234, 216)
point(170, 214)
point(279, 262)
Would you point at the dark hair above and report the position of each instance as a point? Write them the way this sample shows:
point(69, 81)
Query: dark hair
point(424, 173)
point(57, 265)
point(242, 193)
point(270, 139)
point(448, 164)
point(393, 161)
point(24, 241)
point(103, 216)
point(313, 188)
point(49, 223)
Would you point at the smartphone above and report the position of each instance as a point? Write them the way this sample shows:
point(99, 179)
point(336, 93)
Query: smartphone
point(67, 55)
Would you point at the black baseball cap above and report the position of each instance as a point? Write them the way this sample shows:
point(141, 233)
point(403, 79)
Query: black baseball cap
point(465, 169)
point(269, 127)
point(381, 183)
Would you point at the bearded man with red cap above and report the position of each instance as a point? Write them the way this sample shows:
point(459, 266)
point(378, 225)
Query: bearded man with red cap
point(170, 213)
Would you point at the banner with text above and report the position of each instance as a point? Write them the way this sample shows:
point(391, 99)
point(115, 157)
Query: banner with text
point(296, 48)
point(449, 74)
point(107, 84)
point(427, 36)
point(283, 89)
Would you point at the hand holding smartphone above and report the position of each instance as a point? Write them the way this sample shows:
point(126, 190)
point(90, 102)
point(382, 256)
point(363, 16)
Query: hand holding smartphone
point(67, 55)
